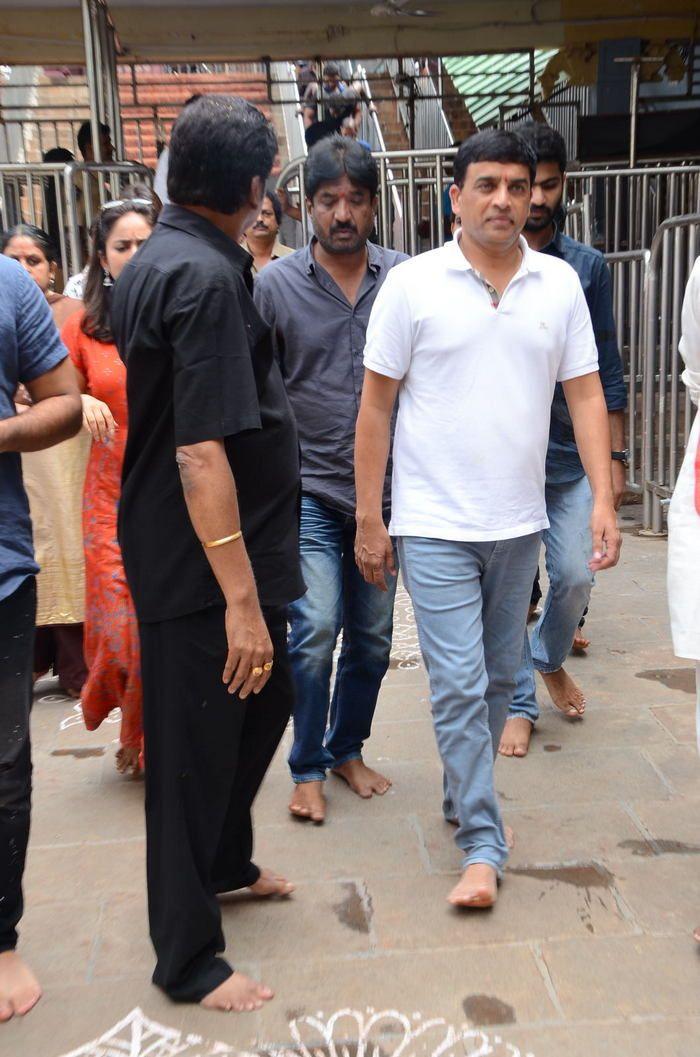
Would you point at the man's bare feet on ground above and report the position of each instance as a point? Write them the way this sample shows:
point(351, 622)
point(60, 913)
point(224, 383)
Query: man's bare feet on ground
point(580, 643)
point(127, 760)
point(237, 994)
point(19, 988)
point(308, 801)
point(564, 692)
point(362, 779)
point(515, 740)
point(477, 888)
point(271, 884)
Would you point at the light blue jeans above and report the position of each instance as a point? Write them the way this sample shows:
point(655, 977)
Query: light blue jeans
point(337, 597)
point(568, 550)
point(470, 602)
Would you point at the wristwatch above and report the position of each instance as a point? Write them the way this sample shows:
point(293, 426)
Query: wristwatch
point(622, 456)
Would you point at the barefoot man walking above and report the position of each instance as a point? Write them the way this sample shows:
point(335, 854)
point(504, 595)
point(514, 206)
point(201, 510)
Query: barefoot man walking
point(209, 534)
point(318, 302)
point(567, 542)
point(472, 338)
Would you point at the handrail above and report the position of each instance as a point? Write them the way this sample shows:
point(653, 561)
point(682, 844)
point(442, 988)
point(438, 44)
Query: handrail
point(288, 89)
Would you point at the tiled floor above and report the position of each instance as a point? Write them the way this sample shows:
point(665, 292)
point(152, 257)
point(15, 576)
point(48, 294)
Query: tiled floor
point(587, 954)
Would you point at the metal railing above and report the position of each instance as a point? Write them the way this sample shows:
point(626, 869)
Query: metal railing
point(61, 199)
point(286, 92)
point(667, 413)
point(624, 207)
point(420, 106)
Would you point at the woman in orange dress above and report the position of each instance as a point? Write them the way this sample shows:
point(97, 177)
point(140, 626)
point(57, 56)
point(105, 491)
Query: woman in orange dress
point(111, 631)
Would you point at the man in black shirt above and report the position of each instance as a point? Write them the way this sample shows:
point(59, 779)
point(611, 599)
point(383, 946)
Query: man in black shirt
point(208, 529)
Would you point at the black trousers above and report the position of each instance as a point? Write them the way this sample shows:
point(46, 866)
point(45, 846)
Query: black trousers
point(17, 615)
point(206, 754)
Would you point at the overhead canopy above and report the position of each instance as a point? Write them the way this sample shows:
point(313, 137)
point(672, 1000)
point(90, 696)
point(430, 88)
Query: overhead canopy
point(152, 31)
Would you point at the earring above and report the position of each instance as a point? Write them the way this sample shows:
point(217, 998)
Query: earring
point(107, 281)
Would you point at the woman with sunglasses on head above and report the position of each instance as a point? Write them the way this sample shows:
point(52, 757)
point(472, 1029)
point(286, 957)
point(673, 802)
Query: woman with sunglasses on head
point(111, 632)
point(53, 480)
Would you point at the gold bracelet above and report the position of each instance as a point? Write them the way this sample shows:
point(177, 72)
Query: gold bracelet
point(225, 539)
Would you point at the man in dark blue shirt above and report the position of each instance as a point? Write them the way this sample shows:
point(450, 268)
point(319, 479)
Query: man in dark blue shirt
point(567, 540)
point(31, 353)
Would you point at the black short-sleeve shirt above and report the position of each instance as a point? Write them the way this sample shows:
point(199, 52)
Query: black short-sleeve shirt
point(200, 367)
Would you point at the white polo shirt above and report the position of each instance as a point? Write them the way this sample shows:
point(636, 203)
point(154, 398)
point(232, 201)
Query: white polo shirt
point(476, 389)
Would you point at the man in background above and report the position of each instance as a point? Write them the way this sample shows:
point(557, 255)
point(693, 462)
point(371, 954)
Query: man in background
point(261, 239)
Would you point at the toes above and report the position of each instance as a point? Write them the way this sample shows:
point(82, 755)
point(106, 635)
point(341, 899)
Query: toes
point(519, 750)
point(6, 1012)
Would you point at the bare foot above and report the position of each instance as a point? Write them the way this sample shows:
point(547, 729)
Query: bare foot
point(308, 801)
point(271, 884)
point(127, 760)
point(477, 888)
point(19, 988)
point(515, 740)
point(237, 994)
point(564, 693)
point(362, 779)
point(580, 643)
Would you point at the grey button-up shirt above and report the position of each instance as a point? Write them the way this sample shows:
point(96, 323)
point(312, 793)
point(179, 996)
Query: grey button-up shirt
point(319, 338)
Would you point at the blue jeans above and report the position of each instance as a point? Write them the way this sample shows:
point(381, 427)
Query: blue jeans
point(470, 602)
point(337, 597)
point(568, 549)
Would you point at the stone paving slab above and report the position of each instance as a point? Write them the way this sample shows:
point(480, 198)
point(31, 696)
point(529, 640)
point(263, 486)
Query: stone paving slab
point(587, 954)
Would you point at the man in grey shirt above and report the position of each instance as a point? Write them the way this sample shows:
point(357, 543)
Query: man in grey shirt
point(318, 302)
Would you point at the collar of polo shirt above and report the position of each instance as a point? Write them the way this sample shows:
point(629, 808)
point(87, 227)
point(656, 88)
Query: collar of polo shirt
point(458, 262)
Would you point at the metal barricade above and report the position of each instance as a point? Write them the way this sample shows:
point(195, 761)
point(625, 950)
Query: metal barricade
point(628, 270)
point(666, 411)
point(626, 206)
point(62, 200)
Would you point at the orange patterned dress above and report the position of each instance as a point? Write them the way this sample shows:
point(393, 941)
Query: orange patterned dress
point(111, 630)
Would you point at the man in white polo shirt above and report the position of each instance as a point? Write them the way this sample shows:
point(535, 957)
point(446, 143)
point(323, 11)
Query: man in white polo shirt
point(472, 338)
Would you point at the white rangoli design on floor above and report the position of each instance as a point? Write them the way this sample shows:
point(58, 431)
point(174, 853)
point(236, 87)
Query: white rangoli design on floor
point(347, 1033)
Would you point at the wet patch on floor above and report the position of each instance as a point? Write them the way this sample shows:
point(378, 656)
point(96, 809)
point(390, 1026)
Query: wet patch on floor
point(659, 847)
point(486, 1010)
point(682, 679)
point(352, 911)
point(581, 875)
point(80, 754)
point(552, 748)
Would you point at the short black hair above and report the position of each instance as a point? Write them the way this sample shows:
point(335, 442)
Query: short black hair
point(494, 144)
point(336, 156)
point(218, 145)
point(37, 235)
point(546, 142)
point(56, 154)
point(85, 134)
point(331, 69)
point(276, 205)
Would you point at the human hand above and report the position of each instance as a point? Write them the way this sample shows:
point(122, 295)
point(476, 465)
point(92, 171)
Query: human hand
point(374, 552)
point(98, 420)
point(249, 648)
point(606, 536)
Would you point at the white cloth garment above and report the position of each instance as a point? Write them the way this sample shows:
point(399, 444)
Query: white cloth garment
point(477, 383)
point(683, 518)
point(160, 180)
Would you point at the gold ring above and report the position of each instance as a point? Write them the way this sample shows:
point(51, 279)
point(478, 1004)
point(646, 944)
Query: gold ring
point(257, 672)
point(268, 666)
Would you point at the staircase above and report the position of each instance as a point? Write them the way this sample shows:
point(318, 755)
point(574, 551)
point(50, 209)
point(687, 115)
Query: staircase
point(395, 135)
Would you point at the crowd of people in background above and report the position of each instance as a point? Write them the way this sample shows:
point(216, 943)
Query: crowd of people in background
point(267, 436)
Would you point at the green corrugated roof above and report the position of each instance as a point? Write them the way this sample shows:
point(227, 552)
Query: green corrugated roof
point(504, 76)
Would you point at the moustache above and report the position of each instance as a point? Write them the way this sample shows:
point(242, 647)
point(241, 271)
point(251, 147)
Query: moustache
point(343, 227)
